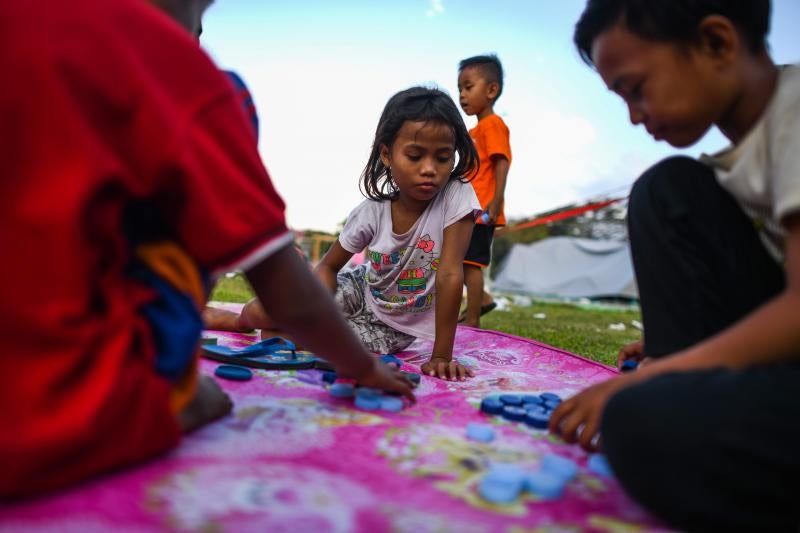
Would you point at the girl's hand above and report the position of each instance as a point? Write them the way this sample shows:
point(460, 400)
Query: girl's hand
point(444, 367)
point(388, 379)
point(578, 419)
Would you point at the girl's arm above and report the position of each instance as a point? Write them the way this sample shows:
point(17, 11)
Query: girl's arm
point(770, 334)
point(449, 287)
point(332, 262)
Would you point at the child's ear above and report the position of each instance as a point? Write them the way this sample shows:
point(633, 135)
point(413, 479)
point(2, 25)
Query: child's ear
point(493, 90)
point(385, 156)
point(719, 38)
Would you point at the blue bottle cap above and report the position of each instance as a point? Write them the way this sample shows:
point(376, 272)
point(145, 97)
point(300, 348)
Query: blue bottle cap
point(598, 464)
point(550, 405)
point(549, 396)
point(629, 365)
point(415, 378)
point(480, 432)
point(511, 399)
point(391, 403)
point(536, 409)
point(537, 420)
point(485, 218)
point(492, 406)
point(366, 392)
point(544, 485)
point(506, 471)
point(502, 483)
point(532, 399)
point(497, 492)
point(234, 372)
point(514, 413)
point(342, 390)
point(392, 360)
point(561, 467)
point(368, 403)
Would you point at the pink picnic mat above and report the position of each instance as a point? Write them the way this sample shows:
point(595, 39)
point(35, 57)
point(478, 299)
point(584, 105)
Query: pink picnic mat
point(293, 458)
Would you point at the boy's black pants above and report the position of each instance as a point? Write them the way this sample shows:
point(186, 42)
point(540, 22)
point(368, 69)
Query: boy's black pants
point(713, 450)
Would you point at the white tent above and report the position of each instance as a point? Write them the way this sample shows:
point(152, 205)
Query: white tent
point(568, 267)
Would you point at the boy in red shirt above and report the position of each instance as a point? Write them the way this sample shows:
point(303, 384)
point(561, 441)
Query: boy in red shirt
point(480, 83)
point(131, 179)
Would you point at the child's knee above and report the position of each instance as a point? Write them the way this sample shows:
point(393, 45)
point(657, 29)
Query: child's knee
point(668, 180)
point(253, 315)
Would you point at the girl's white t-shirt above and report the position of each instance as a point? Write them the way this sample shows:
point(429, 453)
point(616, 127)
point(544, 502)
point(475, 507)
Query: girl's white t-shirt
point(401, 268)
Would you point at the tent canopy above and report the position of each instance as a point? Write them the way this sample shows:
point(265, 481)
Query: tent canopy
point(568, 267)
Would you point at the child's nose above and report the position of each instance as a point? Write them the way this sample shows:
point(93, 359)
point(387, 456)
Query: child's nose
point(636, 115)
point(428, 168)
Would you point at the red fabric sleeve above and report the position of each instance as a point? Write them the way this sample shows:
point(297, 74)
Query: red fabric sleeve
point(229, 206)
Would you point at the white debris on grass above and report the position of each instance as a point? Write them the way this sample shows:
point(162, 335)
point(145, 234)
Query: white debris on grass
point(539, 316)
point(522, 301)
point(617, 327)
point(503, 304)
point(638, 325)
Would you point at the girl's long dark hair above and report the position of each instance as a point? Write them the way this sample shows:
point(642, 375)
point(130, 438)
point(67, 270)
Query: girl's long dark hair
point(417, 104)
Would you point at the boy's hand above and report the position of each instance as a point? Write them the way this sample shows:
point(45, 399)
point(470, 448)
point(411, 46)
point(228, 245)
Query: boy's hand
point(634, 350)
point(209, 403)
point(585, 409)
point(493, 209)
point(444, 367)
point(384, 378)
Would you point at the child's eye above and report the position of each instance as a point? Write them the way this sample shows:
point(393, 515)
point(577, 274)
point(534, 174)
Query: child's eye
point(444, 159)
point(414, 157)
point(635, 92)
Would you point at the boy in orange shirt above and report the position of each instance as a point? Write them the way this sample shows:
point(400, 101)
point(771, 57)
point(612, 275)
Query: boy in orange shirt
point(480, 83)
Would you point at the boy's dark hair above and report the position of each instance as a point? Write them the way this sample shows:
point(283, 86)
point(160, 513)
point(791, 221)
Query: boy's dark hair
point(670, 20)
point(490, 67)
point(417, 104)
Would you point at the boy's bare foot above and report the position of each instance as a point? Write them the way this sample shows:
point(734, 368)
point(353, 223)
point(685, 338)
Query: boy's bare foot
point(471, 323)
point(209, 403)
point(268, 333)
point(222, 320)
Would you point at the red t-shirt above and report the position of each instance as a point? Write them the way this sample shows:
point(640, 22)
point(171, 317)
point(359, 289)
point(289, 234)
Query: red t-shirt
point(107, 109)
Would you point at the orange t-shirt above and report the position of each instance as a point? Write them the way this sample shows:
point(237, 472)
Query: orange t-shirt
point(491, 138)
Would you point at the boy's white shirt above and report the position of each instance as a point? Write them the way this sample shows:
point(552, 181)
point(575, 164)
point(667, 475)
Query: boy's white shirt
point(763, 171)
point(401, 268)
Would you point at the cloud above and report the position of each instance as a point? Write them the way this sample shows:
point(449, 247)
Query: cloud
point(437, 8)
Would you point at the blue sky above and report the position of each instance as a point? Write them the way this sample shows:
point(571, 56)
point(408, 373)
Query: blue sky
point(321, 72)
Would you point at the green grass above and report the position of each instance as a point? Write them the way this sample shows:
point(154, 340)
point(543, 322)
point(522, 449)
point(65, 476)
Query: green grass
point(578, 329)
point(235, 289)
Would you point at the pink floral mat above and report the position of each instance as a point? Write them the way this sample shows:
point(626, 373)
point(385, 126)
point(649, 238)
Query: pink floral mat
point(293, 458)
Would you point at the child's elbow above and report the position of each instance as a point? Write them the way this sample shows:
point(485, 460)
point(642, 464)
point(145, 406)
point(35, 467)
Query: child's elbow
point(450, 277)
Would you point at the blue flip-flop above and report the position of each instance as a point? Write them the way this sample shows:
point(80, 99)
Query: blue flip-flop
point(265, 347)
point(275, 353)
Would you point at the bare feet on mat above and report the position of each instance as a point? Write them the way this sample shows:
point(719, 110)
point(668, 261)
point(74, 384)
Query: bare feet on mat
point(209, 403)
point(222, 320)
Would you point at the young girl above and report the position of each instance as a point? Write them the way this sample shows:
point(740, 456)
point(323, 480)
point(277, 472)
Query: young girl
point(415, 226)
